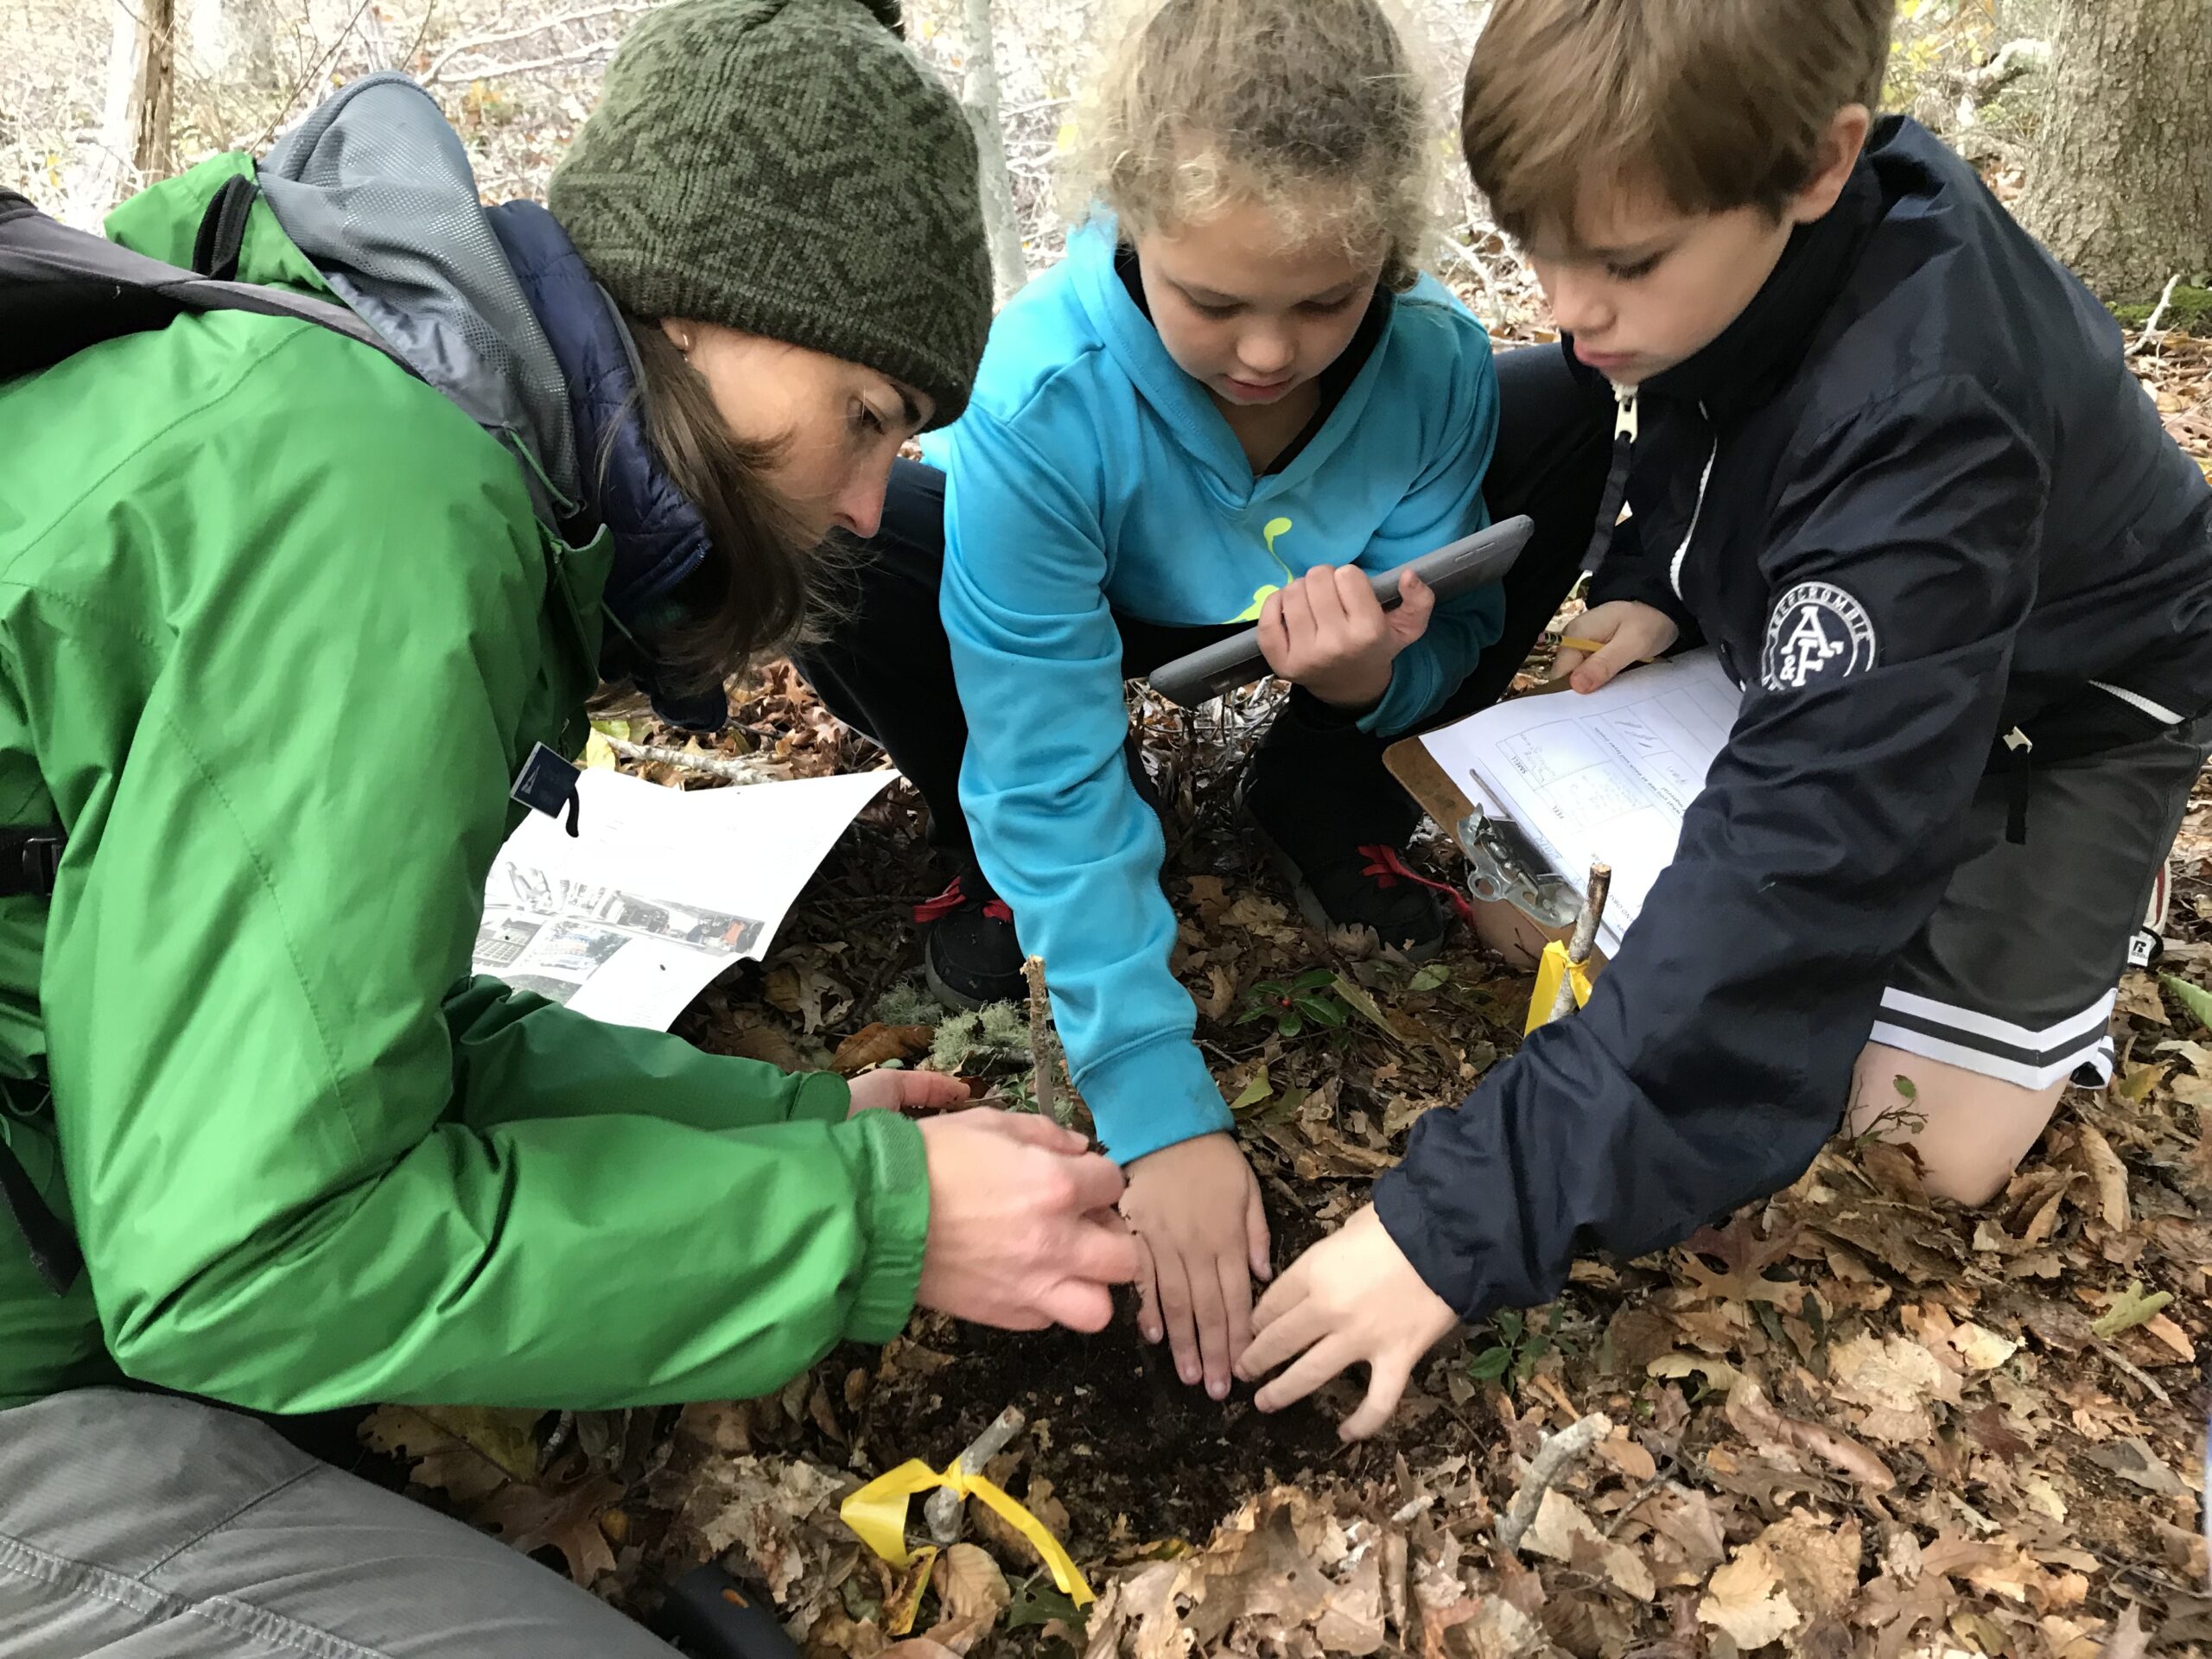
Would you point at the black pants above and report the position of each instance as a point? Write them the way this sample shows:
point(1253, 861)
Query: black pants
point(1317, 782)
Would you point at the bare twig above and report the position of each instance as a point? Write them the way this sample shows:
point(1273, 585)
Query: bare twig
point(736, 769)
point(531, 66)
point(1042, 1058)
point(1546, 1470)
point(1584, 936)
point(944, 1509)
point(2122, 1363)
point(1474, 261)
point(315, 73)
point(2152, 335)
point(480, 42)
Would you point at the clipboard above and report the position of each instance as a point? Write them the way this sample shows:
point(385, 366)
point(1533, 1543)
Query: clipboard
point(1517, 902)
point(1533, 790)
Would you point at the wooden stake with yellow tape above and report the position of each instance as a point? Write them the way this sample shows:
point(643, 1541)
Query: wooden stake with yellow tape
point(1563, 975)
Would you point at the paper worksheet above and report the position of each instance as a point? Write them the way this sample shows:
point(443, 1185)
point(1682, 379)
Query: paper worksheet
point(1598, 778)
point(660, 892)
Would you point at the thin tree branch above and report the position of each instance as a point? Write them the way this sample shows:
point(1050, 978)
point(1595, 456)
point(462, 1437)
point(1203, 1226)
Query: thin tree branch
point(2152, 335)
point(480, 42)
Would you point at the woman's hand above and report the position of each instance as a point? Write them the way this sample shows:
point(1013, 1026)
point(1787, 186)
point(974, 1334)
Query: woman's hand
point(1352, 1297)
point(890, 1091)
point(1328, 632)
point(1625, 632)
point(1022, 1229)
point(1195, 1208)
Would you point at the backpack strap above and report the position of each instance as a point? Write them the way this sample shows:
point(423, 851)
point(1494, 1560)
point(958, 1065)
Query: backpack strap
point(222, 230)
point(63, 289)
point(54, 1251)
point(31, 858)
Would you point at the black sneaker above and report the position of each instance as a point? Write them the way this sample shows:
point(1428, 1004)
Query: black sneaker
point(1372, 888)
point(970, 954)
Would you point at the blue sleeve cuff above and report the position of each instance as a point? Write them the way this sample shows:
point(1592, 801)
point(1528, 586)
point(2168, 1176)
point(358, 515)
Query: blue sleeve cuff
point(1416, 686)
point(1151, 1096)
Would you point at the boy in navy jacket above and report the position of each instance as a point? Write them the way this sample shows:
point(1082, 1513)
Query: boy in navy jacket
point(1884, 455)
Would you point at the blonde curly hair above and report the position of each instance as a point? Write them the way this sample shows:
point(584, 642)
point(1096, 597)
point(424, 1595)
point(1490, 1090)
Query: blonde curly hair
point(1309, 108)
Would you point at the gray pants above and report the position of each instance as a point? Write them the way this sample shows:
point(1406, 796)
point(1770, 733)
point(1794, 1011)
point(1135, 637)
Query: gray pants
point(141, 1526)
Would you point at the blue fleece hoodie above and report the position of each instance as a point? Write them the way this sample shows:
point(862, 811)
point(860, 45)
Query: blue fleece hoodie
point(1090, 476)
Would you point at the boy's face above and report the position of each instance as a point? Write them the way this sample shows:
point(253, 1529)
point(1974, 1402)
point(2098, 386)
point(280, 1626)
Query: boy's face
point(1249, 319)
point(1644, 286)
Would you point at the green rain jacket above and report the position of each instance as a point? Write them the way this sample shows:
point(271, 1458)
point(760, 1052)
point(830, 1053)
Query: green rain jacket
point(277, 626)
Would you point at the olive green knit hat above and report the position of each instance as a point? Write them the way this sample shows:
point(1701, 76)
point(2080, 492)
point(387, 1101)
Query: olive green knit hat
point(789, 168)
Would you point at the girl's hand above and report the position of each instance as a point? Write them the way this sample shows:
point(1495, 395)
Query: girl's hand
point(1195, 1208)
point(1328, 632)
point(1353, 1298)
point(1627, 633)
point(888, 1091)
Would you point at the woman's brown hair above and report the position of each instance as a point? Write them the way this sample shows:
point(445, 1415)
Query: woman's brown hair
point(756, 590)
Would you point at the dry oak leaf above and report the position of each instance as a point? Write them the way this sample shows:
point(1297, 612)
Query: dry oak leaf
point(970, 1585)
point(1754, 1416)
point(872, 1045)
point(1565, 1533)
point(2104, 1168)
point(529, 1518)
point(1995, 1565)
point(1894, 1380)
point(1746, 1600)
point(1745, 1255)
point(1818, 1559)
point(1136, 1617)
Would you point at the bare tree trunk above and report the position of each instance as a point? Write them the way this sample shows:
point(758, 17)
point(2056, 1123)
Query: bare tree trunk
point(2122, 185)
point(979, 95)
point(132, 141)
point(155, 103)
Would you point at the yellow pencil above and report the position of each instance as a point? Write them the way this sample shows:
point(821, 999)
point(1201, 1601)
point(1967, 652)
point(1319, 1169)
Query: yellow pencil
point(1589, 647)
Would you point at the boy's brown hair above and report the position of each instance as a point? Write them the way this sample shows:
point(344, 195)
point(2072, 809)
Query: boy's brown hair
point(1720, 104)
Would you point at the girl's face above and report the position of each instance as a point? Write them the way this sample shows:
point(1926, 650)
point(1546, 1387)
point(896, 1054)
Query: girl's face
point(835, 426)
point(1248, 318)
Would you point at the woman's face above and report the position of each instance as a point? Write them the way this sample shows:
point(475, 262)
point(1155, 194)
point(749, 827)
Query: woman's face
point(835, 426)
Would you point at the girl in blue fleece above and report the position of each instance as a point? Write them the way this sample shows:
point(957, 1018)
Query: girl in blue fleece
point(1233, 399)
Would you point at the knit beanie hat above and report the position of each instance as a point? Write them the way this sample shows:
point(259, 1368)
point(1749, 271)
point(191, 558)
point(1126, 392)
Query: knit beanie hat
point(790, 169)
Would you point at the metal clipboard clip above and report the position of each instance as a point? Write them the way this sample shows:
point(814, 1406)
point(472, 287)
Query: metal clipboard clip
point(1503, 863)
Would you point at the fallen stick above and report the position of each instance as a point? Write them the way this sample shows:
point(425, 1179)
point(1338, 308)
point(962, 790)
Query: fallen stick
point(1546, 1470)
point(1585, 936)
point(2152, 335)
point(1040, 1041)
point(734, 768)
point(944, 1508)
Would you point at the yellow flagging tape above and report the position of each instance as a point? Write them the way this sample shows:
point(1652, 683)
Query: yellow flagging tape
point(877, 1513)
point(1547, 977)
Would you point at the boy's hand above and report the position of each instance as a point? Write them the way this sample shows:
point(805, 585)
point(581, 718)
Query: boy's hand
point(1195, 1208)
point(1328, 632)
point(889, 1091)
point(1352, 1297)
point(1022, 1232)
point(1628, 633)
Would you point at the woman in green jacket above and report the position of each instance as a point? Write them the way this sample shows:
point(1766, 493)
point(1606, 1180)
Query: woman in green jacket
point(279, 622)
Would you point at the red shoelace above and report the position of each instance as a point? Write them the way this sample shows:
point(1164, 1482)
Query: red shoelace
point(952, 898)
point(1388, 869)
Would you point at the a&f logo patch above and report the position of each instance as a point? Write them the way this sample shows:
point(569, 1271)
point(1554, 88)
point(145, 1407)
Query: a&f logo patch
point(1817, 633)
